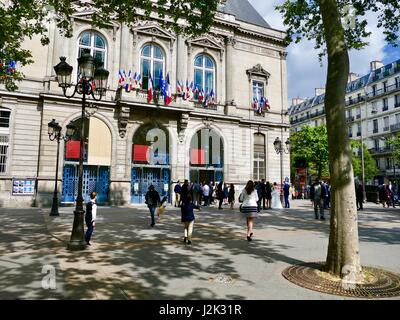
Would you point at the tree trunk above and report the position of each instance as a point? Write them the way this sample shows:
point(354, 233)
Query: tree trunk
point(343, 257)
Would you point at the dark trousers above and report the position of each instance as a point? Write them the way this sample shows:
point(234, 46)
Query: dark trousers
point(220, 203)
point(287, 205)
point(263, 202)
point(206, 200)
point(89, 230)
point(152, 211)
point(359, 203)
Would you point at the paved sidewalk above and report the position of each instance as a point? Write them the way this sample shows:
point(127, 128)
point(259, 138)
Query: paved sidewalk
point(131, 260)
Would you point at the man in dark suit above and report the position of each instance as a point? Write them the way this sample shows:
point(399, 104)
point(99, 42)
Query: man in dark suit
point(263, 192)
point(286, 192)
point(268, 195)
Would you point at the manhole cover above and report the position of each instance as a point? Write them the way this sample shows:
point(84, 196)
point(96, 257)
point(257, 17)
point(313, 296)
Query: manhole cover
point(382, 284)
point(222, 278)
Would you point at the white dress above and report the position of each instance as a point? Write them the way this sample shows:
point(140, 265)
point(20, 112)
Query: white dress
point(276, 200)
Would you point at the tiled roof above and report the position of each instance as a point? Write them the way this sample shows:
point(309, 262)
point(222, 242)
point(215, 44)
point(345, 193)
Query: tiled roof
point(243, 11)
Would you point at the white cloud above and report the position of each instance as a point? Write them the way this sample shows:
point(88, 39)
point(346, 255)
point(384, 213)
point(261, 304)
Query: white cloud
point(304, 70)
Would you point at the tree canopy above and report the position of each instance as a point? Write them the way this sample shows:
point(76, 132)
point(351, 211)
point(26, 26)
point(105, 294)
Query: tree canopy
point(21, 19)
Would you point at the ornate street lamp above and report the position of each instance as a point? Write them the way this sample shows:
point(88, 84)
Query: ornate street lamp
point(280, 149)
point(92, 81)
point(54, 131)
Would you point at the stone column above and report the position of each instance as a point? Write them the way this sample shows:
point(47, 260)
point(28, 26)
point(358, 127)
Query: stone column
point(124, 62)
point(181, 62)
point(230, 42)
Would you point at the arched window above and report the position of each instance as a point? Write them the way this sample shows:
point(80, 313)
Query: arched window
point(259, 157)
point(94, 42)
point(204, 73)
point(4, 138)
point(152, 61)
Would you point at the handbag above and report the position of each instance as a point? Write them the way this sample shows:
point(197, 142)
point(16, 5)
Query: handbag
point(240, 208)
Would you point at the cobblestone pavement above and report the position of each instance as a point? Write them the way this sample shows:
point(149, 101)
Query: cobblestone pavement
point(130, 260)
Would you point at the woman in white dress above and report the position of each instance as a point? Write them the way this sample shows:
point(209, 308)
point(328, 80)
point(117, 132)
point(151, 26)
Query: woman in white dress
point(249, 207)
point(276, 199)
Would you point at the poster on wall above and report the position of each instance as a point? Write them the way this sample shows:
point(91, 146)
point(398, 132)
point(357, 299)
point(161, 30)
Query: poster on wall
point(23, 187)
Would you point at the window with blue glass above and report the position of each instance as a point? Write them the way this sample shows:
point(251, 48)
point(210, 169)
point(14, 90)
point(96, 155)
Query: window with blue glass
point(95, 44)
point(258, 90)
point(152, 61)
point(204, 73)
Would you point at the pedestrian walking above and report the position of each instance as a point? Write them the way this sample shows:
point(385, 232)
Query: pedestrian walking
point(391, 194)
point(286, 193)
point(226, 194)
point(220, 195)
point(268, 195)
point(249, 206)
point(384, 195)
point(263, 192)
point(187, 218)
point(177, 191)
point(231, 195)
point(185, 191)
point(196, 193)
point(90, 217)
point(359, 196)
point(317, 194)
point(152, 199)
point(206, 194)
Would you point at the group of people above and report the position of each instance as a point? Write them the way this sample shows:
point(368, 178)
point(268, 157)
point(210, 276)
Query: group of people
point(204, 193)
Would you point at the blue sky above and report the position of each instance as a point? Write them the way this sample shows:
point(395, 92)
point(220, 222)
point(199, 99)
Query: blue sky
point(304, 70)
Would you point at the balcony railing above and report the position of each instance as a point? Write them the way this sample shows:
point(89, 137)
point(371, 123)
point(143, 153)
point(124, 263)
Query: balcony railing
point(378, 92)
point(358, 116)
point(358, 134)
point(380, 150)
point(355, 101)
point(385, 128)
point(375, 131)
point(258, 114)
point(395, 127)
point(350, 119)
point(385, 108)
point(397, 104)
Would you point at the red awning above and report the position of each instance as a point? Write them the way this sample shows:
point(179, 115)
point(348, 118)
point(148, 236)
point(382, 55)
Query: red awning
point(141, 152)
point(197, 156)
point(72, 149)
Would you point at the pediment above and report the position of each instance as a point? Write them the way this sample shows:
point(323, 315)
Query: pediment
point(153, 29)
point(259, 71)
point(208, 41)
point(86, 15)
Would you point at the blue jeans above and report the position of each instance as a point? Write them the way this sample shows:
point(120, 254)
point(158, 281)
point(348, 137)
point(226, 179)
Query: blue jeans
point(89, 230)
point(152, 211)
point(287, 205)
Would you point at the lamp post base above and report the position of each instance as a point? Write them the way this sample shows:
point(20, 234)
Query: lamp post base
point(54, 208)
point(77, 241)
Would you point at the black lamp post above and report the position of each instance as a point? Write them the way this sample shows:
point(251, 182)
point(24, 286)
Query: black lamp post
point(280, 149)
point(55, 134)
point(92, 82)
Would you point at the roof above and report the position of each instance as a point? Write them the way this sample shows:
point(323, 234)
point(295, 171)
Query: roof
point(243, 11)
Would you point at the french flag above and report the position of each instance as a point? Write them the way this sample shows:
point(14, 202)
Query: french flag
point(266, 103)
point(255, 102)
point(150, 89)
point(179, 87)
point(121, 79)
point(128, 85)
point(167, 91)
point(201, 95)
point(135, 77)
point(139, 78)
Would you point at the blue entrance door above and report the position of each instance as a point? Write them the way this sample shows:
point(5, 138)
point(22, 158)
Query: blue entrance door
point(94, 179)
point(143, 177)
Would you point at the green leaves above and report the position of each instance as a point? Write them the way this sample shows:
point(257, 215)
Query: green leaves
point(303, 20)
point(25, 18)
point(311, 144)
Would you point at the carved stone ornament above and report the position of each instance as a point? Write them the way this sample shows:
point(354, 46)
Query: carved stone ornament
point(258, 71)
point(123, 118)
point(182, 125)
point(152, 29)
point(207, 123)
point(230, 41)
point(208, 41)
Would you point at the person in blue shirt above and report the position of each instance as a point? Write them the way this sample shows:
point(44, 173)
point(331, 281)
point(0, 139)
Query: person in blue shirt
point(177, 191)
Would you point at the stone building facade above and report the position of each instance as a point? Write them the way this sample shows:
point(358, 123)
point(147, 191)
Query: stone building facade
point(241, 57)
point(372, 113)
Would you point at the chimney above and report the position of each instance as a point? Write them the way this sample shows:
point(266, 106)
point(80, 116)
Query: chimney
point(296, 101)
point(376, 65)
point(352, 76)
point(319, 91)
